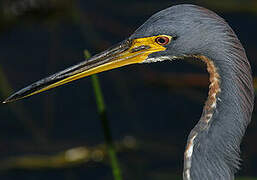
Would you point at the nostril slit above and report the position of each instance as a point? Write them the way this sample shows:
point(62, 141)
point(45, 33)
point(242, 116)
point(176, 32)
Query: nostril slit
point(139, 48)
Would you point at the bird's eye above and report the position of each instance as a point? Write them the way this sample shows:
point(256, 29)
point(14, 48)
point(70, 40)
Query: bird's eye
point(162, 40)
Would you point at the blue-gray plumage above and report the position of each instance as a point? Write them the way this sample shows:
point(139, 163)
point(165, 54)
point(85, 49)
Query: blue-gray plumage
point(179, 32)
point(199, 31)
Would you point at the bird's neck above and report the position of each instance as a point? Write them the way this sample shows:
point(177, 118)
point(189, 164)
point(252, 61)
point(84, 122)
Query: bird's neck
point(213, 146)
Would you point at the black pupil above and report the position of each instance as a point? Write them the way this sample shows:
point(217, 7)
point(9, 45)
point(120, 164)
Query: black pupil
point(161, 40)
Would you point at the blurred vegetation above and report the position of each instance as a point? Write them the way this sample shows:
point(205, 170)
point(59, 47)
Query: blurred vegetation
point(116, 171)
point(68, 158)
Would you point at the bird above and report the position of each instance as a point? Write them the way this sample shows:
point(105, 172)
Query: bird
point(185, 31)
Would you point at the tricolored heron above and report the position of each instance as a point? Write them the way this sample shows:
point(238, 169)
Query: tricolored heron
point(179, 32)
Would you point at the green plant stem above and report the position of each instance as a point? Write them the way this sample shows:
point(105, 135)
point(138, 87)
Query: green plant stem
point(105, 125)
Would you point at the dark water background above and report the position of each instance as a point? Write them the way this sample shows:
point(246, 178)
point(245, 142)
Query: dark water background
point(41, 38)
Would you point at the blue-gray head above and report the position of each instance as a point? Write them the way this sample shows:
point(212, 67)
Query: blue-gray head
point(194, 30)
point(183, 31)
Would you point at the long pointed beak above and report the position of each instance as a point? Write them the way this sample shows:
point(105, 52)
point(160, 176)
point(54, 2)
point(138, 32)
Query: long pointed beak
point(125, 53)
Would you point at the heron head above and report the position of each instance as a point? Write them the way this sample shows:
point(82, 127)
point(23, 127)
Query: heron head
point(172, 33)
point(192, 30)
